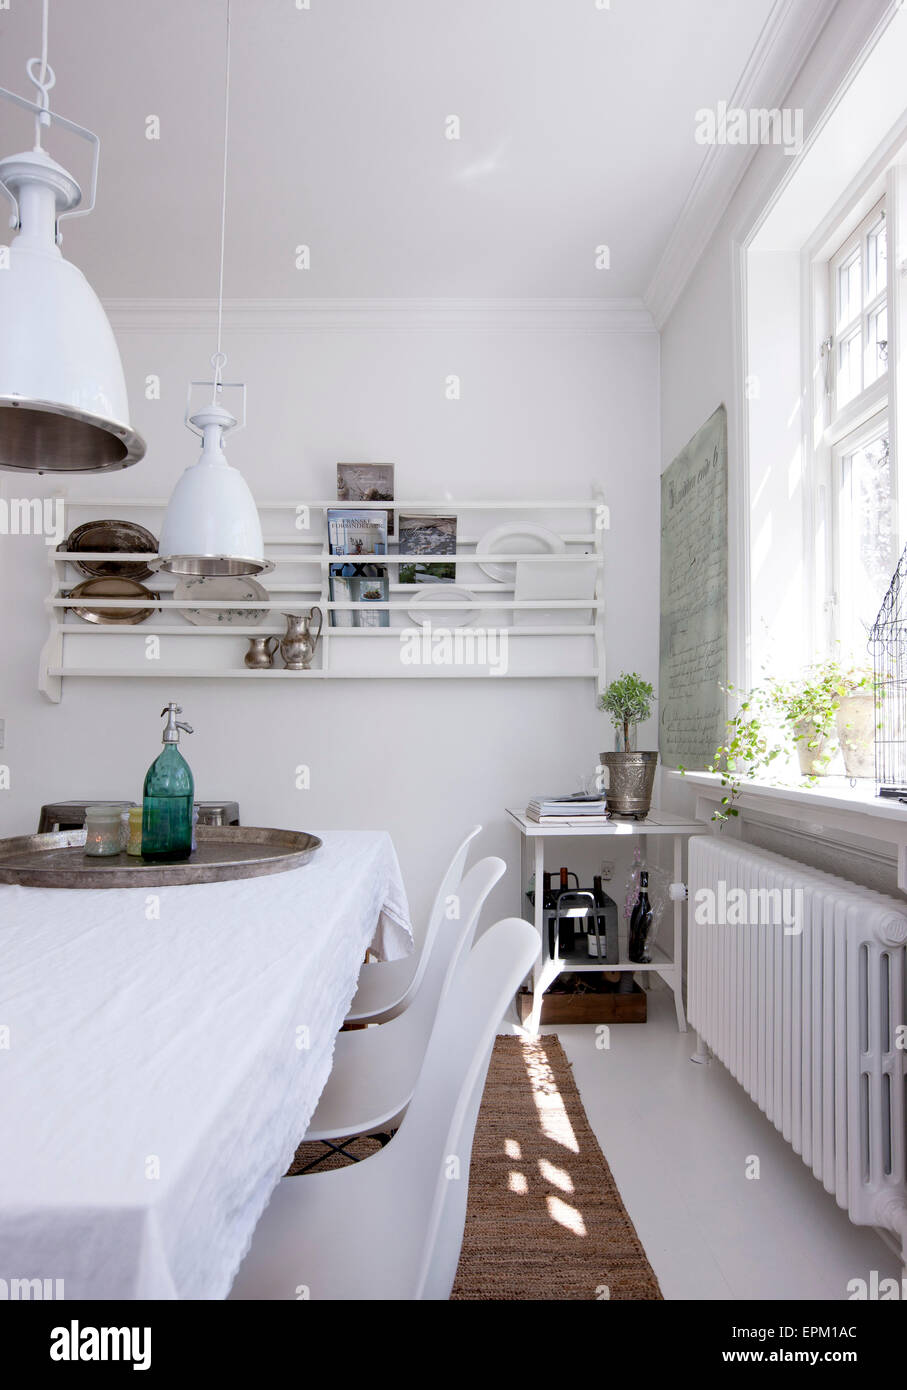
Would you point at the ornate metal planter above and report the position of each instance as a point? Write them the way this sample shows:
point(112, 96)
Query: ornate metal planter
point(631, 778)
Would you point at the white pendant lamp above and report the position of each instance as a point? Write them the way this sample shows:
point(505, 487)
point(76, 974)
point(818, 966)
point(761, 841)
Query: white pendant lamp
point(63, 405)
point(211, 526)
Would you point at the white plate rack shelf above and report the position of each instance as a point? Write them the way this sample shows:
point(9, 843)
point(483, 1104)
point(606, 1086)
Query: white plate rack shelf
point(502, 638)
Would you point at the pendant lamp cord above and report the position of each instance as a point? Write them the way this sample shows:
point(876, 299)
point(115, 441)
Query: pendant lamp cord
point(42, 76)
point(218, 361)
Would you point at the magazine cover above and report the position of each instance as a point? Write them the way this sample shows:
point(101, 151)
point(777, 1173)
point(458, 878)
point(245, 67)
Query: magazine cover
point(423, 536)
point(373, 588)
point(357, 533)
point(367, 482)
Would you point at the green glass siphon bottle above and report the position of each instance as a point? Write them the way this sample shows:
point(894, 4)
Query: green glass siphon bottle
point(168, 797)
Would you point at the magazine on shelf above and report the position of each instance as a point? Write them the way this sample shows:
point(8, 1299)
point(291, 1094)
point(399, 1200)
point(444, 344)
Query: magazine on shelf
point(344, 589)
point(367, 482)
point(424, 536)
point(373, 589)
point(365, 584)
point(355, 533)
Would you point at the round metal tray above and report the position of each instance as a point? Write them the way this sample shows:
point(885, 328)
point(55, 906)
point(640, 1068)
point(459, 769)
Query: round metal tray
point(224, 852)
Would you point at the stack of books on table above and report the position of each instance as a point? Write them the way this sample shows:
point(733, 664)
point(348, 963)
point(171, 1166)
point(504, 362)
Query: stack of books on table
point(576, 806)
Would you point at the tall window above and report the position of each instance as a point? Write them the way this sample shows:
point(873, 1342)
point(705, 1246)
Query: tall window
point(863, 483)
point(865, 532)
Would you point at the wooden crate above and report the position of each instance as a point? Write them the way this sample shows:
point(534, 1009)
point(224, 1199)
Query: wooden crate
point(588, 1007)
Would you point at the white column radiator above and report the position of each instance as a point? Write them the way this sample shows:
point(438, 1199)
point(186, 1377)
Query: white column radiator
point(797, 982)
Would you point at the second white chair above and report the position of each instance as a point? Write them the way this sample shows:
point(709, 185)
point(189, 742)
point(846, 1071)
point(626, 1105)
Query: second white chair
point(386, 988)
point(375, 1070)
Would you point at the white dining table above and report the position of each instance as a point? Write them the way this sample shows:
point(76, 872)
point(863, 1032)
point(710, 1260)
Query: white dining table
point(161, 1055)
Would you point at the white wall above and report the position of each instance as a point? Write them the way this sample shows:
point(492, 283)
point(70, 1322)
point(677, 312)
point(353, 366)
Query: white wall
point(547, 409)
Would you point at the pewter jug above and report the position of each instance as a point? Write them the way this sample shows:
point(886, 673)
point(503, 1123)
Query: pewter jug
point(297, 646)
point(261, 654)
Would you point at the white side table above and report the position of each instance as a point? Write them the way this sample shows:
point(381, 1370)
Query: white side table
point(532, 861)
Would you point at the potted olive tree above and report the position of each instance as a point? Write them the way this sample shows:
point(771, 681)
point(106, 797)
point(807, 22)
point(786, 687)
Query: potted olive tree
point(631, 775)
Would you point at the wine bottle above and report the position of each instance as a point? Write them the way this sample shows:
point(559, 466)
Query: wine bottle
point(641, 923)
point(565, 926)
point(168, 798)
point(549, 903)
point(597, 928)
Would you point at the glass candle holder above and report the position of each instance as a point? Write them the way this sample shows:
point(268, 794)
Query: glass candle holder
point(134, 842)
point(102, 830)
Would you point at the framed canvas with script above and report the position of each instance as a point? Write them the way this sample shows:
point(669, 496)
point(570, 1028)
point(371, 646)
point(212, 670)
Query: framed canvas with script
point(694, 599)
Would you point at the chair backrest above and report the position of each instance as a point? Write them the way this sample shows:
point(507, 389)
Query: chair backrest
point(449, 886)
point(431, 1153)
point(452, 943)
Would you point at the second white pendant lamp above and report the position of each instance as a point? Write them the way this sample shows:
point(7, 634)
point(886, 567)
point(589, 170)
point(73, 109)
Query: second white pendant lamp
point(212, 526)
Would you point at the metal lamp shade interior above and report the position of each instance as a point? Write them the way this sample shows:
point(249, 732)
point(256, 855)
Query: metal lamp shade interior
point(43, 437)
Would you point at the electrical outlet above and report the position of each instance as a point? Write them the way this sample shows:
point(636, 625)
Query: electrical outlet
point(607, 872)
point(2, 733)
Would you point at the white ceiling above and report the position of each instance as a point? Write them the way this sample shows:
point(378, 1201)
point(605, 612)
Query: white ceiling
point(577, 129)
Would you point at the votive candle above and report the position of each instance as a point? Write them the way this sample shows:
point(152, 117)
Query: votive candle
point(102, 830)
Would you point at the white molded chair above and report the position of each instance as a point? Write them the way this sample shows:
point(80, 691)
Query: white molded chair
point(375, 1070)
point(391, 1227)
point(386, 988)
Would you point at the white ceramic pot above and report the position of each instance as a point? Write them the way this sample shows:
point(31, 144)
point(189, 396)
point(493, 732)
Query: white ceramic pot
point(856, 720)
point(813, 761)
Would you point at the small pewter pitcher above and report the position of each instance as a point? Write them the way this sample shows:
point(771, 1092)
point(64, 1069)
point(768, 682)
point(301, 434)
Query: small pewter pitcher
point(261, 654)
point(297, 646)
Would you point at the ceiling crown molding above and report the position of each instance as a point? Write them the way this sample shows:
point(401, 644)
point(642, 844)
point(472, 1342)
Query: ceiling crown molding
point(788, 35)
point(318, 315)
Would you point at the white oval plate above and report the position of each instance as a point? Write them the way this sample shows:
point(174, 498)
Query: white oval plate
point(425, 606)
point(230, 588)
point(518, 538)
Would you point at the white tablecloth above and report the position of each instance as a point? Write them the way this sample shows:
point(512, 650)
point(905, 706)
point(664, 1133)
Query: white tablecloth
point(160, 1070)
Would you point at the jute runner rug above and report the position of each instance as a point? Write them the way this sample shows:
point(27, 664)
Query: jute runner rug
point(545, 1219)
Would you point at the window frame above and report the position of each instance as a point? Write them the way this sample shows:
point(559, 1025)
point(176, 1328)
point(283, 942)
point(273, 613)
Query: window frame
point(843, 418)
point(844, 448)
point(837, 431)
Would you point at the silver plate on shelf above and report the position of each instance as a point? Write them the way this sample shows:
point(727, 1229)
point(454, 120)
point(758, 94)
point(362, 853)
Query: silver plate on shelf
point(95, 612)
point(225, 852)
point(116, 536)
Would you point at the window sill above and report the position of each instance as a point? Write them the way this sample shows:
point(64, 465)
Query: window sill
point(810, 804)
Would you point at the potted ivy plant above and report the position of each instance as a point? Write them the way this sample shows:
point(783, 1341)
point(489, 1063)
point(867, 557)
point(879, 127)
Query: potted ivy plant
point(830, 700)
point(808, 706)
point(803, 715)
point(631, 774)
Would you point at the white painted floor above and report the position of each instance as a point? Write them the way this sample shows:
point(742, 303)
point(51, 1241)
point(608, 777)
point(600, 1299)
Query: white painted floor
point(678, 1137)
